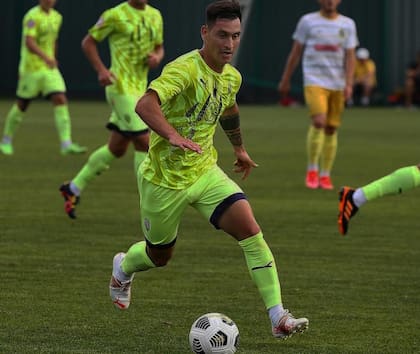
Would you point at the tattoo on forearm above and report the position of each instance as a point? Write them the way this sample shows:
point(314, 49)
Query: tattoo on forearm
point(232, 128)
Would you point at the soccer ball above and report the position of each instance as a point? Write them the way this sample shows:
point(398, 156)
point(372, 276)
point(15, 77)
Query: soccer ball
point(214, 333)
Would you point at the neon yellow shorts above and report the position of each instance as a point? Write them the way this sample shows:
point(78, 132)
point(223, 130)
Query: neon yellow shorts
point(161, 208)
point(321, 100)
point(123, 117)
point(44, 82)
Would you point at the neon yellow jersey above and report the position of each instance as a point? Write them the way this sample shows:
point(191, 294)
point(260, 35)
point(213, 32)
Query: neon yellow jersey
point(44, 28)
point(193, 97)
point(132, 35)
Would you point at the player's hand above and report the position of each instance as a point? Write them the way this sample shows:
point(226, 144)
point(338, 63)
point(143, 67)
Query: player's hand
point(185, 144)
point(153, 60)
point(51, 62)
point(106, 78)
point(243, 164)
point(283, 88)
point(348, 92)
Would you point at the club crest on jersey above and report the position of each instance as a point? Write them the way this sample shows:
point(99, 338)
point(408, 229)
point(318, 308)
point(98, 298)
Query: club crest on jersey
point(30, 24)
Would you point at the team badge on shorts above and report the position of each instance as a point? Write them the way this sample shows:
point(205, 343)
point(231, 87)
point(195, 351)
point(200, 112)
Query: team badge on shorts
point(147, 224)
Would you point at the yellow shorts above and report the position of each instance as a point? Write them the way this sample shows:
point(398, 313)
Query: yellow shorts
point(44, 82)
point(330, 102)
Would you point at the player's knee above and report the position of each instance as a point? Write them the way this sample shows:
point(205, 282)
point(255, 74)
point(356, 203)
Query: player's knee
point(159, 257)
point(245, 231)
point(318, 121)
point(23, 104)
point(249, 234)
point(118, 151)
point(160, 261)
point(329, 130)
point(249, 229)
point(59, 99)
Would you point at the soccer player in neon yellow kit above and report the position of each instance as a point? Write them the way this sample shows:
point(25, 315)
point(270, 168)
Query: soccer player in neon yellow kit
point(350, 200)
point(135, 33)
point(39, 74)
point(182, 107)
point(327, 40)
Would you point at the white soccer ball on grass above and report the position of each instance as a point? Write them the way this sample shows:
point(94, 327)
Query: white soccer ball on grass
point(214, 333)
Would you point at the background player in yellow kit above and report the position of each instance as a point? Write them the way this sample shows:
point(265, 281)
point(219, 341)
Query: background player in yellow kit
point(135, 34)
point(39, 74)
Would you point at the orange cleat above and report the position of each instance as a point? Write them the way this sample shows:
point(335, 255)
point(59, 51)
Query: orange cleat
point(346, 209)
point(70, 200)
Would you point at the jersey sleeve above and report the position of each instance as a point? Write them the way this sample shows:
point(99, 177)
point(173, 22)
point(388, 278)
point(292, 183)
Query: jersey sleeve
point(159, 37)
point(60, 20)
point(175, 78)
point(352, 40)
point(235, 89)
point(301, 31)
point(30, 25)
point(103, 27)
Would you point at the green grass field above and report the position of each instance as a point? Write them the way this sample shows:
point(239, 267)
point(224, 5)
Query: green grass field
point(361, 293)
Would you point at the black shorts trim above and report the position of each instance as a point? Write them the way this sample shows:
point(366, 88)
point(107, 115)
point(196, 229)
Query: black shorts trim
point(160, 246)
point(223, 206)
point(127, 134)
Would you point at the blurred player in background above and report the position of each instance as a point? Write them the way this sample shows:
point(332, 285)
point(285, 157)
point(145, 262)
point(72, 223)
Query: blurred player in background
point(183, 107)
point(135, 34)
point(327, 40)
point(39, 74)
point(364, 78)
point(412, 83)
point(351, 200)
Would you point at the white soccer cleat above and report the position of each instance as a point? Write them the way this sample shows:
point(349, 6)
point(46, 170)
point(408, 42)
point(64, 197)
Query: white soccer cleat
point(288, 325)
point(120, 291)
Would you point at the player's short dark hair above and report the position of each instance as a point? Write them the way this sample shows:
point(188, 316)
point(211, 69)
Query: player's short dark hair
point(226, 9)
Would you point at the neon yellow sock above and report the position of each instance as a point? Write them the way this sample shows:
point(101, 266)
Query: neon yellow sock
point(314, 143)
point(399, 181)
point(262, 267)
point(98, 162)
point(329, 152)
point(13, 120)
point(62, 122)
point(136, 259)
point(139, 157)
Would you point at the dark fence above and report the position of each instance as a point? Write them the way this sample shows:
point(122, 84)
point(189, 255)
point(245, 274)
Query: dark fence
point(388, 28)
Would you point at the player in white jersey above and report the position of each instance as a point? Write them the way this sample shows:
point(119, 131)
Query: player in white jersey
point(327, 40)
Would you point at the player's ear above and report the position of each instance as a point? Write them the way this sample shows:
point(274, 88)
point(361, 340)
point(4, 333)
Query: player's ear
point(204, 31)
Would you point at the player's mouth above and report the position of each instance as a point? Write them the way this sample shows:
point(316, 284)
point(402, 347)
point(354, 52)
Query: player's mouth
point(227, 55)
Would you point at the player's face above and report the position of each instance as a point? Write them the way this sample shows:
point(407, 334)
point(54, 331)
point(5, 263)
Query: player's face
point(221, 41)
point(329, 5)
point(47, 4)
